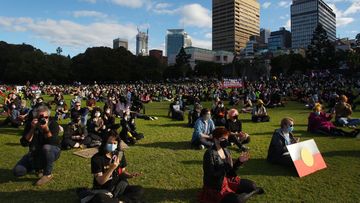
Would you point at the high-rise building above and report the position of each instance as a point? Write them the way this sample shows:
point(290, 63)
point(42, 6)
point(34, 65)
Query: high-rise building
point(265, 35)
point(142, 43)
point(305, 17)
point(279, 40)
point(120, 43)
point(234, 21)
point(175, 40)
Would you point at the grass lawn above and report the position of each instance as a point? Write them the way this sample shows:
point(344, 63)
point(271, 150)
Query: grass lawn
point(173, 172)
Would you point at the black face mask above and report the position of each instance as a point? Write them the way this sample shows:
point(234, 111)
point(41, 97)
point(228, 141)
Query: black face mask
point(235, 117)
point(224, 143)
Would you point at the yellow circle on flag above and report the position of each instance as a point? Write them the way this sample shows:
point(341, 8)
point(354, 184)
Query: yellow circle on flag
point(307, 157)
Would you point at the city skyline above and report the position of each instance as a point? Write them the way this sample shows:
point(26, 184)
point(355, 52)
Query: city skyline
point(75, 25)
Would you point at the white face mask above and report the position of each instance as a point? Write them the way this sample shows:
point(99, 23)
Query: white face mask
point(108, 111)
point(97, 114)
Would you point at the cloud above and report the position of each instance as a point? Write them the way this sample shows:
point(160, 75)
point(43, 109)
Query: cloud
point(70, 34)
point(85, 13)
point(353, 9)
point(131, 3)
point(193, 15)
point(266, 4)
point(288, 24)
point(206, 44)
point(88, 1)
point(284, 4)
point(342, 18)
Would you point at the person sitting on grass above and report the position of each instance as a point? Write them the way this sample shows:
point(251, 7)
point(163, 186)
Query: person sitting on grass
point(320, 122)
point(176, 110)
point(234, 126)
point(13, 117)
point(194, 115)
point(77, 110)
point(110, 182)
point(96, 126)
point(109, 120)
point(128, 132)
point(61, 111)
point(76, 136)
point(219, 114)
point(343, 112)
point(41, 136)
point(259, 113)
point(277, 152)
point(248, 106)
point(204, 126)
point(221, 184)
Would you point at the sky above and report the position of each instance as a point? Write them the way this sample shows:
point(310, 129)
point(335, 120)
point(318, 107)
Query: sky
point(76, 25)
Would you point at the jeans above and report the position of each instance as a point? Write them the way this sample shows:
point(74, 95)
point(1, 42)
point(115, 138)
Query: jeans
point(348, 121)
point(49, 155)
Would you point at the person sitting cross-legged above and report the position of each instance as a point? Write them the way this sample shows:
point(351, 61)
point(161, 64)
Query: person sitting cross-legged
point(76, 136)
point(221, 184)
point(234, 126)
point(204, 126)
point(259, 113)
point(110, 181)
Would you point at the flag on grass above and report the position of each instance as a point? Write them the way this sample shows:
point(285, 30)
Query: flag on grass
point(306, 157)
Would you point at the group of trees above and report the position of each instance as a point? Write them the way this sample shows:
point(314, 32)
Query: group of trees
point(21, 63)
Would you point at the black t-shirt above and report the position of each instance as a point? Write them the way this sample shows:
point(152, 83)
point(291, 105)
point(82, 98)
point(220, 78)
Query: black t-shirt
point(39, 139)
point(100, 164)
point(234, 126)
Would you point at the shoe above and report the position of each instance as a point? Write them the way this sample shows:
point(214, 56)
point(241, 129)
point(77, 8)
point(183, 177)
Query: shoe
point(352, 126)
point(244, 148)
point(156, 118)
point(201, 147)
point(82, 146)
point(43, 180)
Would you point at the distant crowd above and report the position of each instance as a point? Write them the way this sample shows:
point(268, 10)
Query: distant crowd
point(93, 109)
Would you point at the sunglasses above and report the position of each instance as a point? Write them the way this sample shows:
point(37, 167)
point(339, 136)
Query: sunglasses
point(291, 125)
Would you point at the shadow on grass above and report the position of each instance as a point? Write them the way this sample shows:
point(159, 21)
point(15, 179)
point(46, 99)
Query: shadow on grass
point(263, 168)
point(13, 144)
point(184, 145)
point(168, 195)
point(256, 167)
point(351, 153)
point(6, 175)
point(40, 196)
point(10, 131)
point(170, 125)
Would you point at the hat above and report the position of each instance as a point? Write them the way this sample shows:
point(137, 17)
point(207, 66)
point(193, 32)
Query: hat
point(260, 102)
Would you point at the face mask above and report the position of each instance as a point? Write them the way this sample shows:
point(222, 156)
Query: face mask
point(207, 117)
point(14, 107)
point(97, 114)
point(108, 111)
point(235, 117)
point(111, 147)
point(61, 103)
point(290, 129)
point(317, 113)
point(224, 143)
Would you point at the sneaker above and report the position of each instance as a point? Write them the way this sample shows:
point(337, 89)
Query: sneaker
point(201, 147)
point(156, 118)
point(43, 180)
point(352, 126)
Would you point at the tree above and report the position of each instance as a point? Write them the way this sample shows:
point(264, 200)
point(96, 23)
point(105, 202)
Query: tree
point(182, 62)
point(59, 51)
point(321, 51)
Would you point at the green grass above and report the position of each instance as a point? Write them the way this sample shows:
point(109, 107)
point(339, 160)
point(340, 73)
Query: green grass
point(173, 172)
